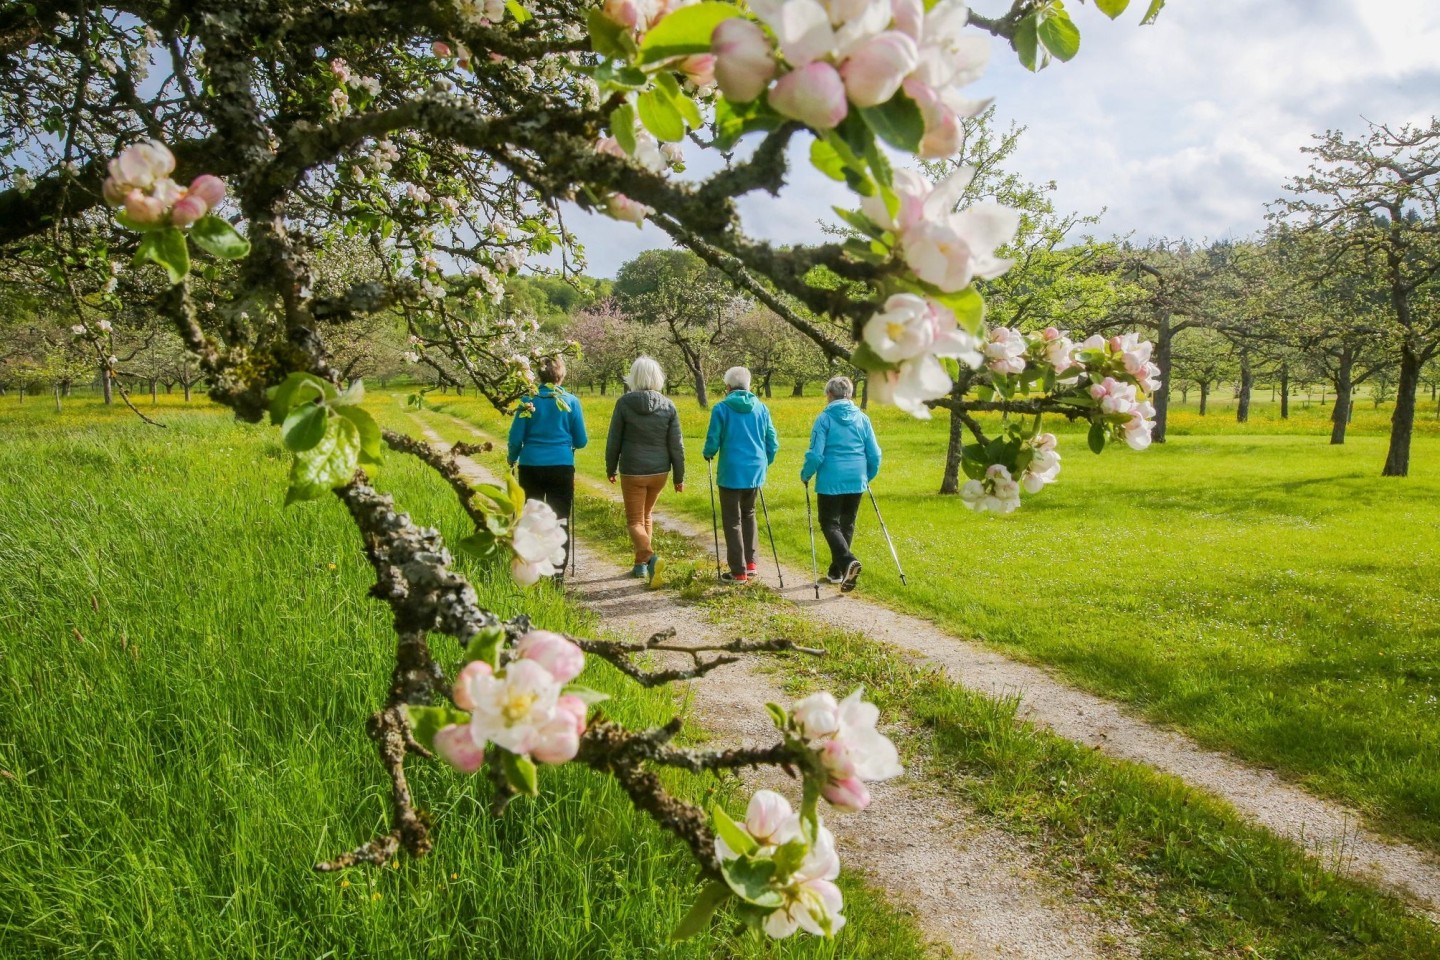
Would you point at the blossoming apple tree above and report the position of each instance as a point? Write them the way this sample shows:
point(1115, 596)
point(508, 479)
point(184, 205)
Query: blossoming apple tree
point(222, 146)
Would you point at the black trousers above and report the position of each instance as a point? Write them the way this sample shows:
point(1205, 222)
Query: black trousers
point(837, 523)
point(552, 485)
point(742, 531)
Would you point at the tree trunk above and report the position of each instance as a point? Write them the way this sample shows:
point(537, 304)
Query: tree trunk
point(154, 391)
point(1204, 395)
point(169, 387)
point(702, 393)
point(1285, 392)
point(1185, 393)
point(1402, 422)
point(106, 387)
point(799, 389)
point(865, 394)
point(1340, 415)
point(1247, 384)
point(950, 483)
point(765, 385)
point(67, 388)
point(1164, 341)
point(57, 398)
point(604, 385)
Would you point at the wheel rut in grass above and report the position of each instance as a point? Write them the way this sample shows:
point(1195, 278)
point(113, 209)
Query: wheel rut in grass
point(1328, 830)
point(970, 888)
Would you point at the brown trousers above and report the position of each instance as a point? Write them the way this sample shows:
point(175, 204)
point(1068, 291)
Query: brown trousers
point(640, 494)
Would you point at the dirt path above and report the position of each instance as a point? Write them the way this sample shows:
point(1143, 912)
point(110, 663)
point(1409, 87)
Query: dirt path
point(1327, 829)
point(970, 888)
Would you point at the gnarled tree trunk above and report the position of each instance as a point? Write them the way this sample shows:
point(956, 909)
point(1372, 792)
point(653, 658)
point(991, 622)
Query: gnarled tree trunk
point(1247, 384)
point(1164, 341)
point(1402, 422)
point(1340, 414)
point(799, 389)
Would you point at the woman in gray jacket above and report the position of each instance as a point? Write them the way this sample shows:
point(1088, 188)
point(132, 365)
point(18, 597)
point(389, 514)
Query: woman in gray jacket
point(643, 448)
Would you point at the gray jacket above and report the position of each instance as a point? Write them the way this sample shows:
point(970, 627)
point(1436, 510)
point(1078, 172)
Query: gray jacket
point(644, 437)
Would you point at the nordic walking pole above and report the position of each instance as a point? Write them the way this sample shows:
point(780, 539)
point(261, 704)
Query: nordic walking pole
point(768, 529)
point(714, 517)
point(814, 564)
point(570, 530)
point(874, 503)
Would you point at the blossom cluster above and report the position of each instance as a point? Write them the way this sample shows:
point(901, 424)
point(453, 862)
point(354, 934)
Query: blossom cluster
point(521, 708)
point(806, 896)
point(848, 748)
point(538, 541)
point(140, 184)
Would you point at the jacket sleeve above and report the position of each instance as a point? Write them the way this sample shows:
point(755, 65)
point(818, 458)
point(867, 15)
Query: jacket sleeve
point(612, 442)
point(578, 437)
point(872, 452)
point(676, 443)
point(519, 426)
point(713, 435)
point(772, 440)
point(816, 454)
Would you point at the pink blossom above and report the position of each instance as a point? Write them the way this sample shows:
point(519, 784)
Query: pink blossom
point(457, 747)
point(468, 674)
point(744, 61)
point(340, 69)
point(209, 188)
point(943, 132)
point(699, 68)
point(621, 207)
point(849, 794)
point(554, 652)
point(1005, 351)
point(441, 49)
point(814, 94)
point(876, 68)
point(187, 210)
point(144, 209)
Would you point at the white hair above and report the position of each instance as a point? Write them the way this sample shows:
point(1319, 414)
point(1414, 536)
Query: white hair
point(839, 388)
point(645, 374)
point(737, 378)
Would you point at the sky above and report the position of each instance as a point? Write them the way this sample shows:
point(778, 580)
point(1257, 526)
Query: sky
point(1185, 128)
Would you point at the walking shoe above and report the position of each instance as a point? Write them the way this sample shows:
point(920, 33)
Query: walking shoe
point(728, 577)
point(653, 566)
point(640, 571)
point(750, 569)
point(852, 574)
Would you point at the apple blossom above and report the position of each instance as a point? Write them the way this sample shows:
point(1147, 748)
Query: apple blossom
point(744, 60)
point(519, 710)
point(539, 537)
point(138, 167)
point(187, 210)
point(850, 748)
point(813, 94)
point(699, 69)
point(104, 325)
point(441, 49)
point(997, 493)
point(1057, 349)
point(24, 183)
point(621, 207)
point(1005, 351)
point(563, 658)
point(812, 901)
point(909, 387)
point(877, 68)
point(911, 188)
point(78, 329)
point(208, 188)
point(341, 69)
point(1137, 428)
point(417, 193)
point(456, 746)
point(1044, 464)
point(944, 134)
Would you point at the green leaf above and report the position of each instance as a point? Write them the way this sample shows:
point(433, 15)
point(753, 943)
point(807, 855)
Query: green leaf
point(351, 395)
point(516, 492)
point(824, 158)
point(520, 772)
point(591, 697)
point(867, 359)
point(731, 832)
point(295, 389)
point(305, 426)
point(517, 11)
point(485, 645)
point(897, 121)
point(369, 432)
point(751, 881)
point(660, 115)
point(1113, 8)
point(734, 120)
point(607, 37)
point(167, 249)
point(1155, 7)
point(860, 222)
point(1026, 42)
point(327, 465)
point(686, 31)
point(1059, 34)
point(788, 857)
point(1096, 438)
point(481, 543)
point(778, 714)
point(622, 127)
point(425, 722)
point(216, 235)
point(968, 307)
point(697, 919)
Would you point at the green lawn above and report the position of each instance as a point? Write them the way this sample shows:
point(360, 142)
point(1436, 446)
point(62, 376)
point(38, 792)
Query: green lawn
point(185, 672)
point(1266, 592)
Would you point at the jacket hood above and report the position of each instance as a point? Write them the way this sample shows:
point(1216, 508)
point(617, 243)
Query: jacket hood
point(743, 401)
point(843, 410)
point(646, 401)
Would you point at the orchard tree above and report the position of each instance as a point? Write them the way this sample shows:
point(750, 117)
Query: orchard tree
point(1378, 198)
point(447, 134)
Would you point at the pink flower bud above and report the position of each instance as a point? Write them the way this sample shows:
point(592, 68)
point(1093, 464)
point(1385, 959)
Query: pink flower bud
point(624, 12)
point(1051, 333)
point(849, 794)
point(744, 63)
point(457, 747)
point(943, 134)
point(876, 69)
point(461, 693)
point(114, 192)
point(209, 188)
point(909, 15)
point(700, 68)
point(573, 705)
point(187, 210)
point(813, 94)
point(622, 207)
point(143, 209)
point(440, 49)
point(552, 651)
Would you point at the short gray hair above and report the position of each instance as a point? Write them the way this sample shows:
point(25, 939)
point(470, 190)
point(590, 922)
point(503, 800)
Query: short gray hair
point(839, 388)
point(645, 374)
point(737, 378)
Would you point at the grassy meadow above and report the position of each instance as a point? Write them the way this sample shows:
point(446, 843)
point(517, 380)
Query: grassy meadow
point(185, 672)
point(1266, 592)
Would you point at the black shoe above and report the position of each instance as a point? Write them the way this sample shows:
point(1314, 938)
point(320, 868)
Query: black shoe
point(852, 575)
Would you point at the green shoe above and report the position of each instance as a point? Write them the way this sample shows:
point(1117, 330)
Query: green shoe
point(640, 571)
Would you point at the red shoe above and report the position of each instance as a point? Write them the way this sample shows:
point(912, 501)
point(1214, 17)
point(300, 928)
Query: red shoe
point(750, 569)
point(728, 577)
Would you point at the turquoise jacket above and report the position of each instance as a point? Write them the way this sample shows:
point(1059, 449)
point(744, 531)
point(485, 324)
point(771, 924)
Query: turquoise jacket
point(550, 435)
point(843, 455)
point(741, 432)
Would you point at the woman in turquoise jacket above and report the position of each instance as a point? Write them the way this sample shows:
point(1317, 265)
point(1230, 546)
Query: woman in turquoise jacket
point(743, 435)
point(843, 458)
point(548, 428)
